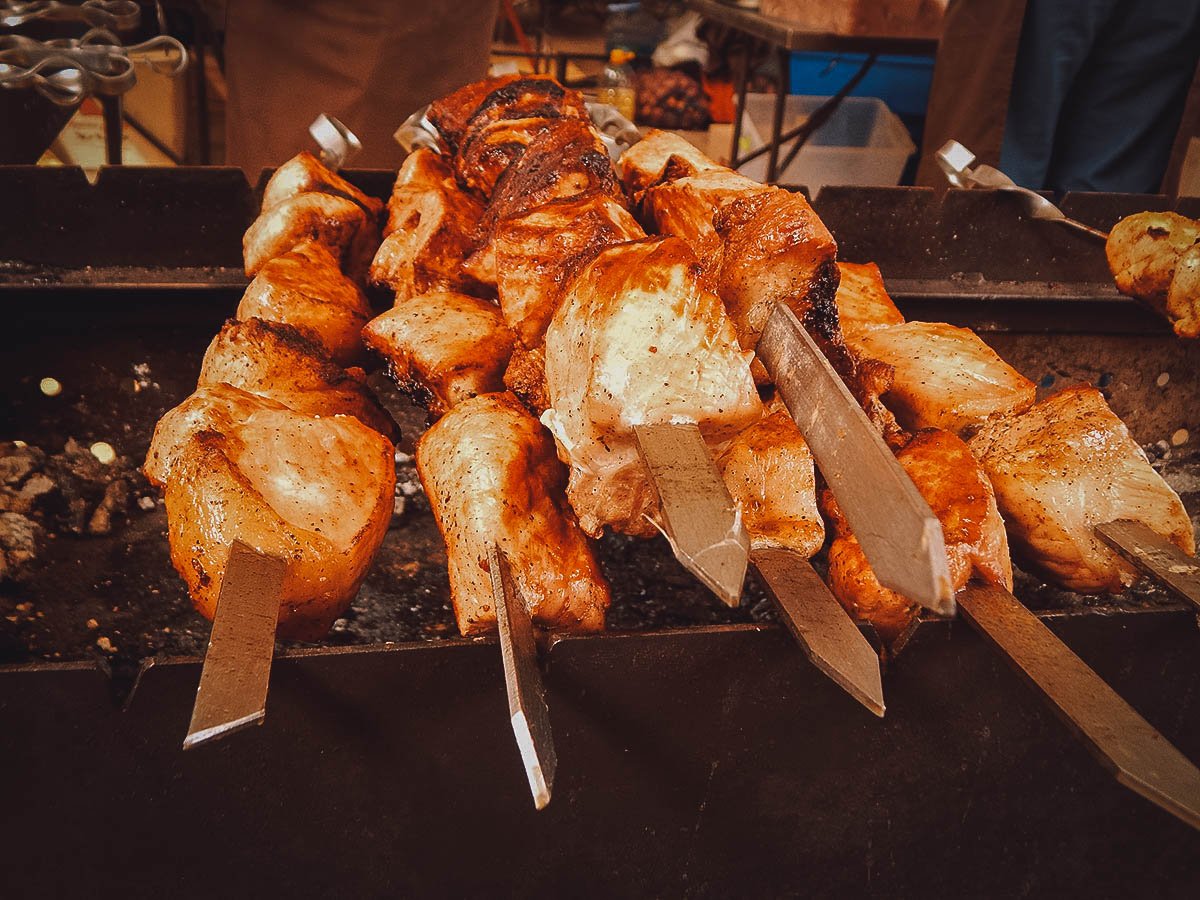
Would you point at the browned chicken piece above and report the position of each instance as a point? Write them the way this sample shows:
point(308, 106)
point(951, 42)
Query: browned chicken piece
point(501, 97)
point(1155, 256)
point(1065, 466)
point(336, 222)
point(945, 377)
point(491, 475)
point(685, 208)
point(535, 255)
point(317, 492)
point(862, 300)
point(305, 288)
point(303, 174)
point(506, 122)
point(957, 490)
point(567, 159)
point(645, 163)
point(450, 114)
point(429, 232)
point(768, 469)
point(277, 361)
point(637, 340)
point(526, 377)
point(443, 347)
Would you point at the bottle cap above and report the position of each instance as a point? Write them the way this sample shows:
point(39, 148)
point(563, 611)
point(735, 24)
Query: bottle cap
point(619, 56)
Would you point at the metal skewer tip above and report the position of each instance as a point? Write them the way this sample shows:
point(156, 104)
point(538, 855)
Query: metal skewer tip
point(1156, 556)
point(528, 712)
point(819, 624)
point(237, 667)
point(1124, 743)
point(700, 519)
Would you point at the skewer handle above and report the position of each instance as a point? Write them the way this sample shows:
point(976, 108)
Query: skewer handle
point(1156, 556)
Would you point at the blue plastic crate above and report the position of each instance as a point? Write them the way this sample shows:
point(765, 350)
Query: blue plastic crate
point(902, 82)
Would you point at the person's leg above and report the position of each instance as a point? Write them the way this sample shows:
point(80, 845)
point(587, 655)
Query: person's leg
point(1057, 38)
point(1120, 119)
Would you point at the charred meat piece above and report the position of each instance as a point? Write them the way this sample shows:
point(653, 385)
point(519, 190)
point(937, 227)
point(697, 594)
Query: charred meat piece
point(637, 340)
point(443, 347)
point(526, 377)
point(306, 289)
point(769, 471)
point(491, 475)
point(945, 377)
point(451, 113)
point(958, 492)
point(429, 232)
point(317, 491)
point(537, 254)
point(277, 361)
point(1061, 468)
point(337, 223)
point(862, 300)
point(500, 98)
point(1154, 256)
point(645, 163)
point(303, 174)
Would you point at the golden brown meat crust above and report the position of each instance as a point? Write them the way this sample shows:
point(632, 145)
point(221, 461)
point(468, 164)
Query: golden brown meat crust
point(306, 289)
point(1065, 466)
point(1155, 256)
point(303, 174)
point(645, 163)
point(338, 223)
point(862, 300)
point(277, 361)
point(960, 495)
point(491, 475)
point(443, 347)
point(317, 492)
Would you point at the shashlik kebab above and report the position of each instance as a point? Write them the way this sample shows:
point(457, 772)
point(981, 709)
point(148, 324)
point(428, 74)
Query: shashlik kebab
point(280, 449)
point(1155, 256)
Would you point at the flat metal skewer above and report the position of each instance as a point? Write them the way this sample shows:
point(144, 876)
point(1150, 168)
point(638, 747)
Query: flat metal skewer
point(700, 519)
point(1156, 556)
point(899, 533)
point(237, 667)
point(828, 636)
point(527, 709)
point(1123, 742)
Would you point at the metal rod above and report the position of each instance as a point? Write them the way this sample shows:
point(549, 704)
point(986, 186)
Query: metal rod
point(822, 113)
point(1123, 742)
point(110, 106)
point(782, 58)
point(740, 77)
point(1156, 556)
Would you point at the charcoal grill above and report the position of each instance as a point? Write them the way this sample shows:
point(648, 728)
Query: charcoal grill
point(699, 753)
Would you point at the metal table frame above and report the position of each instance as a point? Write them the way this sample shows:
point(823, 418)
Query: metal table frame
point(784, 37)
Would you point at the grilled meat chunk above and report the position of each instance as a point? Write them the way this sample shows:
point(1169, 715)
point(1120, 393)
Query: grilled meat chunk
point(1154, 257)
point(645, 163)
point(277, 361)
point(945, 377)
point(958, 492)
point(305, 288)
point(315, 491)
point(536, 254)
point(303, 174)
point(429, 232)
point(491, 475)
point(862, 301)
point(769, 471)
point(338, 223)
point(444, 347)
point(1064, 466)
point(637, 340)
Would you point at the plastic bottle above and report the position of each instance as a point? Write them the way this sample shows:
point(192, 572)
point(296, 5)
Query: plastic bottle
point(616, 84)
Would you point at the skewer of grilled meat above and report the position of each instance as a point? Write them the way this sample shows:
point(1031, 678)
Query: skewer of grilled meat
point(1155, 256)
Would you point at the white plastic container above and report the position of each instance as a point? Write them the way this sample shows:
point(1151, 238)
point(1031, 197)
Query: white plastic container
point(862, 143)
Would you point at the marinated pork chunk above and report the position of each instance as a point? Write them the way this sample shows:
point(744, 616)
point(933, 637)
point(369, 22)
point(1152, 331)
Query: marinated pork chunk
point(278, 362)
point(491, 475)
point(443, 347)
point(450, 114)
point(768, 469)
point(526, 377)
point(303, 174)
point(317, 492)
point(862, 300)
point(945, 377)
point(958, 492)
point(1064, 466)
point(535, 255)
point(305, 288)
point(429, 231)
point(1155, 256)
point(637, 340)
point(336, 222)
point(645, 163)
